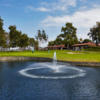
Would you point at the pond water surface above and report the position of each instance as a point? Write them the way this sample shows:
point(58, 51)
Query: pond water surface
point(35, 81)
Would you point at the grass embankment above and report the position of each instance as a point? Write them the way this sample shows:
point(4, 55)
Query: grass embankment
point(63, 55)
point(96, 49)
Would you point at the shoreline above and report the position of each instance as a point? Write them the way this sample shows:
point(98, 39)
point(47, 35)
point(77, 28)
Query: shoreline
point(41, 59)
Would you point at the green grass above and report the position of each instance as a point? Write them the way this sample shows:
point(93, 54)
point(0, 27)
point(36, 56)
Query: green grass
point(64, 55)
point(93, 49)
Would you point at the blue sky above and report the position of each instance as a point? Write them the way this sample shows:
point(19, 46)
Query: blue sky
point(51, 15)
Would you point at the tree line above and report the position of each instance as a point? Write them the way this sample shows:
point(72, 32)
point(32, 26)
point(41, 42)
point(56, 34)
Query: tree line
point(68, 36)
point(15, 38)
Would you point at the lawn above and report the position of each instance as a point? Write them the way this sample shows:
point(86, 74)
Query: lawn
point(64, 55)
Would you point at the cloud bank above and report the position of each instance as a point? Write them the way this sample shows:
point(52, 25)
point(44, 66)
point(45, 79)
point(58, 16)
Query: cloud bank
point(59, 5)
point(83, 20)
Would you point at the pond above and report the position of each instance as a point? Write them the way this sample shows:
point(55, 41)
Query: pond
point(45, 81)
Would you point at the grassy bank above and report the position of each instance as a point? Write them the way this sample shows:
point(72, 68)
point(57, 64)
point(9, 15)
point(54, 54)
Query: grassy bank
point(96, 49)
point(64, 55)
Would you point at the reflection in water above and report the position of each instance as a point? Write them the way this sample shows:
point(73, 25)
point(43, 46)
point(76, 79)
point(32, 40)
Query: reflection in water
point(17, 87)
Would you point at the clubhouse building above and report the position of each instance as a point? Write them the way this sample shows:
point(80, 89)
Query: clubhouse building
point(78, 47)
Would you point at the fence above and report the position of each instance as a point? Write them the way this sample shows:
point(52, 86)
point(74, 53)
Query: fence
point(16, 49)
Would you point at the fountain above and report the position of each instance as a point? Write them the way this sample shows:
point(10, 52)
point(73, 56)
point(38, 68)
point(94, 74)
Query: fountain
point(54, 59)
point(52, 70)
point(54, 66)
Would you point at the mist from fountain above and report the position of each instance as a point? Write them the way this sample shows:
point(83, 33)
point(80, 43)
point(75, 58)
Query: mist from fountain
point(54, 58)
point(55, 67)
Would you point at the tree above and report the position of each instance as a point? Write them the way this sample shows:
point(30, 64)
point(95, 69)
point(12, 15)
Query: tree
point(41, 37)
point(86, 40)
point(7, 39)
point(31, 41)
point(44, 36)
point(95, 33)
point(80, 40)
point(51, 43)
point(24, 41)
point(2, 34)
point(57, 41)
point(36, 45)
point(68, 35)
point(14, 36)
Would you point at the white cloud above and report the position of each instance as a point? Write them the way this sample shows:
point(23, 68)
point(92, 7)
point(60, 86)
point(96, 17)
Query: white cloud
point(83, 0)
point(60, 5)
point(42, 9)
point(83, 20)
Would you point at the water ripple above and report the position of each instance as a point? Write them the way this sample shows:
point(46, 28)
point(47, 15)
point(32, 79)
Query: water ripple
point(57, 68)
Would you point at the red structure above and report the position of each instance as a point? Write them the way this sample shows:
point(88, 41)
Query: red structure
point(56, 47)
point(77, 47)
point(99, 44)
point(85, 44)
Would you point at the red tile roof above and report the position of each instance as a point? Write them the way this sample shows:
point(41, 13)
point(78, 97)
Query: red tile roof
point(85, 44)
point(57, 46)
